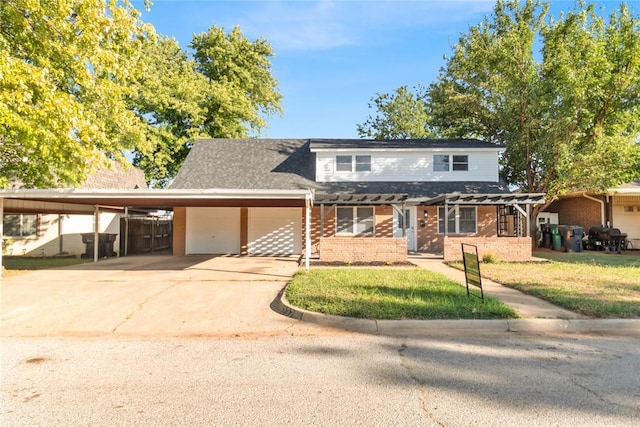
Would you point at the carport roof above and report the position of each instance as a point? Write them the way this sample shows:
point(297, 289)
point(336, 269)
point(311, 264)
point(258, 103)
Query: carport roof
point(68, 200)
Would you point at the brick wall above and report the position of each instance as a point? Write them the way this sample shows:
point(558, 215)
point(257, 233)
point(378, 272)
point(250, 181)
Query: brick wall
point(363, 249)
point(512, 249)
point(430, 241)
point(578, 211)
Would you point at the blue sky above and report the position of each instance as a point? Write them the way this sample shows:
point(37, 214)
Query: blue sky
point(333, 56)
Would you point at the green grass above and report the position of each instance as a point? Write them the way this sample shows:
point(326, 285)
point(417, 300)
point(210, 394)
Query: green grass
point(389, 293)
point(590, 283)
point(38, 263)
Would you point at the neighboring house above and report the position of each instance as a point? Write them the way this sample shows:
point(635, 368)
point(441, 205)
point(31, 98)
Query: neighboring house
point(372, 200)
point(29, 230)
point(618, 207)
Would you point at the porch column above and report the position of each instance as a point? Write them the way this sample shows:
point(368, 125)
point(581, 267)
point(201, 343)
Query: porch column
point(126, 231)
point(528, 208)
point(307, 233)
point(1, 231)
point(96, 232)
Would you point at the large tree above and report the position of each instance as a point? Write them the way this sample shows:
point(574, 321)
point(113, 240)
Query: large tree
point(241, 88)
point(400, 115)
point(224, 90)
point(562, 95)
point(170, 99)
point(67, 69)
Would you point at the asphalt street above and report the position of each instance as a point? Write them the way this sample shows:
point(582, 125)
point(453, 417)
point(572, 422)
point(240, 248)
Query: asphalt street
point(333, 379)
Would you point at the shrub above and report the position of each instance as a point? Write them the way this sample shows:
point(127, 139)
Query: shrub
point(489, 258)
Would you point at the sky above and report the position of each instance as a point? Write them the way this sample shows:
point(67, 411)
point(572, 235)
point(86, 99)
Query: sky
point(333, 56)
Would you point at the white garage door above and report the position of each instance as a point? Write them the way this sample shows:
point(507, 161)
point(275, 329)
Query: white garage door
point(627, 219)
point(275, 231)
point(213, 231)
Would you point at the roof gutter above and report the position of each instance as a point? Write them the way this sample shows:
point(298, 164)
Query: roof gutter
point(168, 194)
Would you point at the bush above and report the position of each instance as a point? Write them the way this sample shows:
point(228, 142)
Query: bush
point(489, 258)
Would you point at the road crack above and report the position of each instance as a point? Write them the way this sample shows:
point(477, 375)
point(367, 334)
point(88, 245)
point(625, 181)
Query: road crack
point(142, 304)
point(404, 362)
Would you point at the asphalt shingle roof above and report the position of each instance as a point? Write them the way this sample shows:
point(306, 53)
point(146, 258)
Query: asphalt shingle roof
point(288, 164)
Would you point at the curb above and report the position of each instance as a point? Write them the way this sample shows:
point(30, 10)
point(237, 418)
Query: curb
point(612, 327)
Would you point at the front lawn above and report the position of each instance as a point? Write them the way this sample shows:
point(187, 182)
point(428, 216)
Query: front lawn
point(590, 283)
point(14, 264)
point(389, 293)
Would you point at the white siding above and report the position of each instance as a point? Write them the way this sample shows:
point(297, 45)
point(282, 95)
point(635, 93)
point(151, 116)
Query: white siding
point(213, 231)
point(274, 231)
point(63, 233)
point(401, 166)
point(628, 222)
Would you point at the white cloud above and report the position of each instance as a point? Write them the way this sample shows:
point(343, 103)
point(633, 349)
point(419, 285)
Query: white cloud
point(327, 24)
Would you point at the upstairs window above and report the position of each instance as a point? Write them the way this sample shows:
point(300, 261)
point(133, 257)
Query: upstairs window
point(447, 163)
point(353, 163)
point(354, 220)
point(344, 164)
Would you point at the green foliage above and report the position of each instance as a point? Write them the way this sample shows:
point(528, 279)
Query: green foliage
point(569, 122)
point(170, 99)
point(86, 81)
point(241, 88)
point(67, 70)
point(224, 91)
point(568, 114)
point(490, 258)
point(400, 115)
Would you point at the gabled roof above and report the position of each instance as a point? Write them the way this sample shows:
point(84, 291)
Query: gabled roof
point(247, 164)
point(288, 164)
point(386, 144)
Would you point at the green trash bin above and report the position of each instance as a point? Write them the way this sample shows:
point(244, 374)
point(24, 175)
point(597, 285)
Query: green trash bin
point(556, 237)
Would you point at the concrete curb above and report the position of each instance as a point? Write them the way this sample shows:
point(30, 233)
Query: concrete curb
point(613, 327)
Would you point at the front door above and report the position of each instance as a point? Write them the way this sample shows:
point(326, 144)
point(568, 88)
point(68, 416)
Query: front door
point(404, 224)
point(410, 221)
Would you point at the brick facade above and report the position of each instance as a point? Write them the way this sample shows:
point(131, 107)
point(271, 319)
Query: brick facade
point(363, 249)
point(430, 241)
point(580, 211)
point(509, 249)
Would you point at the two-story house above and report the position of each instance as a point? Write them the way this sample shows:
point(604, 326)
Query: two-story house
point(372, 200)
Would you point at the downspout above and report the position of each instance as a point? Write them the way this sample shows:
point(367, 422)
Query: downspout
point(602, 214)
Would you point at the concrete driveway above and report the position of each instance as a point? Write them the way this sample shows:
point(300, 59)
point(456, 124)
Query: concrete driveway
point(150, 296)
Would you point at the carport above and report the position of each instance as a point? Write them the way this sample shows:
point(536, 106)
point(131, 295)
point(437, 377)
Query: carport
point(89, 201)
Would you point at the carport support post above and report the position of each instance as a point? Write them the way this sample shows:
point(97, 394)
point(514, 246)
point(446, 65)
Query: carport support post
point(126, 230)
point(1, 232)
point(307, 232)
point(96, 231)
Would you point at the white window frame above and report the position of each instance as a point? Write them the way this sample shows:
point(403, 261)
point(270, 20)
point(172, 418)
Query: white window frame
point(452, 163)
point(355, 221)
point(357, 161)
point(456, 219)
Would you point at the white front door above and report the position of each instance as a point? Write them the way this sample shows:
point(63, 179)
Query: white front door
point(405, 222)
point(410, 220)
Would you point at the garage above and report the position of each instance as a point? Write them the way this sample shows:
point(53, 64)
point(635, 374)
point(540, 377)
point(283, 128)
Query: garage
point(274, 231)
point(213, 231)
